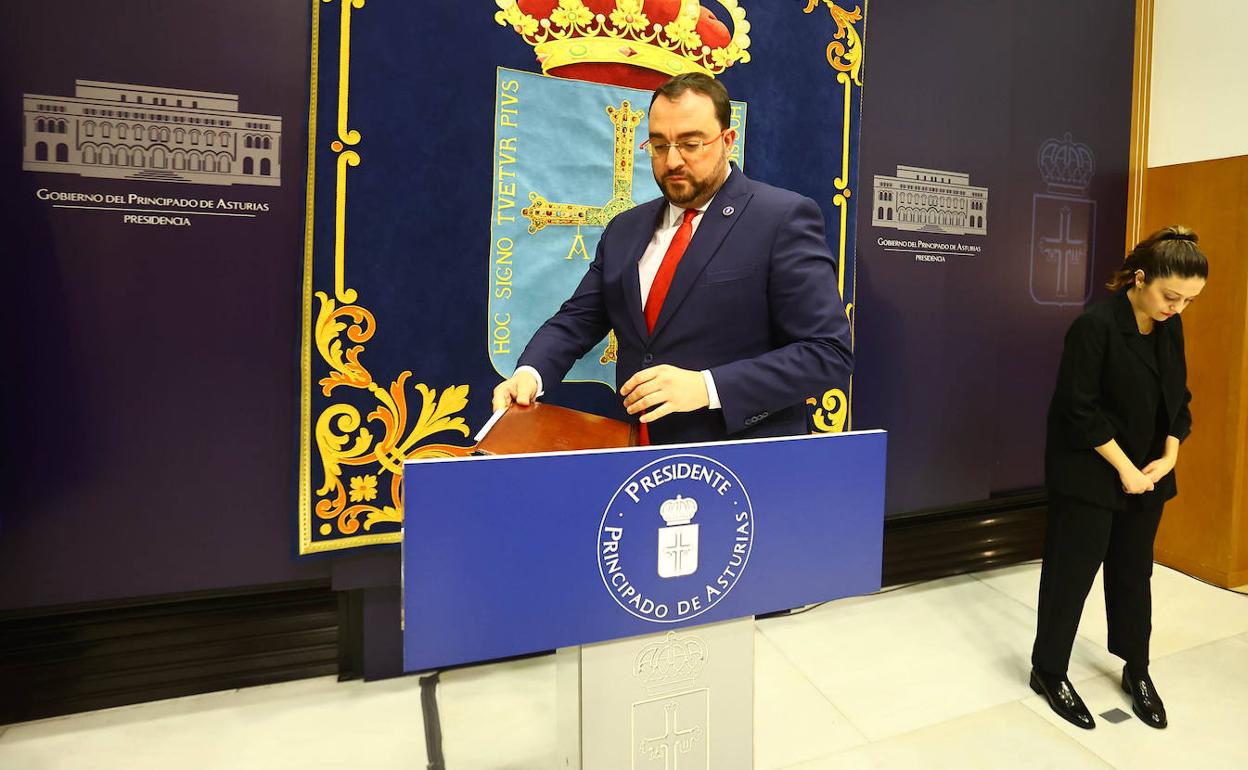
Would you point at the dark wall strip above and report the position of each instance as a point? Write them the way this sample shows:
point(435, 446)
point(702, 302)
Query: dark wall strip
point(970, 538)
point(57, 661)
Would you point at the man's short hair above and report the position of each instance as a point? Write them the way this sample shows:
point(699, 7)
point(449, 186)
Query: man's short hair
point(702, 84)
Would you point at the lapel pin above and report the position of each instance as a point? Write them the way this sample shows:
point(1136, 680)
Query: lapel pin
point(729, 211)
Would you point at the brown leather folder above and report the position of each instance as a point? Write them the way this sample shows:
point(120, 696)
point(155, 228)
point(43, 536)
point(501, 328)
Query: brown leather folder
point(549, 428)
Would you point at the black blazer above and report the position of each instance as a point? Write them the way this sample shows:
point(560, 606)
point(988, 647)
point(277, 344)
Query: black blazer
point(1107, 387)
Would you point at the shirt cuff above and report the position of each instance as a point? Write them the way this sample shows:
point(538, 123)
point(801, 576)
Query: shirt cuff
point(536, 375)
point(712, 395)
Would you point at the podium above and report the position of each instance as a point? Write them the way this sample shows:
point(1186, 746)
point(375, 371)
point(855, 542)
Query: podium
point(643, 567)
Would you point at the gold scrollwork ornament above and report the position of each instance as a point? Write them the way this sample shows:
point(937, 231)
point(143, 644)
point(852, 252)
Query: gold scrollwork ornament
point(342, 435)
point(843, 56)
point(832, 411)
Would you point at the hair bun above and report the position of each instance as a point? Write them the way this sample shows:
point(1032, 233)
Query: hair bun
point(1180, 233)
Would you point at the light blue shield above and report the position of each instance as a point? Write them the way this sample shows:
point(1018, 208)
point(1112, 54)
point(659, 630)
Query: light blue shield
point(566, 160)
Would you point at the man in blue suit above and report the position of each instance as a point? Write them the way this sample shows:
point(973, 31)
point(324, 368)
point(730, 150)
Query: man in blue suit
point(722, 293)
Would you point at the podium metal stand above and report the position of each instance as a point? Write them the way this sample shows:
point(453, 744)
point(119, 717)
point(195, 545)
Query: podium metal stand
point(673, 699)
point(643, 567)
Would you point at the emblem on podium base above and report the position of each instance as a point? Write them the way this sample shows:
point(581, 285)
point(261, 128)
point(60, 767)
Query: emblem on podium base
point(672, 730)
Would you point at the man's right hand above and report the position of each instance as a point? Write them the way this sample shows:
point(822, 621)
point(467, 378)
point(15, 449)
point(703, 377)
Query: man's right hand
point(1134, 482)
point(520, 388)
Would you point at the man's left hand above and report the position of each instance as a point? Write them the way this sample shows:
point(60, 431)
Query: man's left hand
point(662, 390)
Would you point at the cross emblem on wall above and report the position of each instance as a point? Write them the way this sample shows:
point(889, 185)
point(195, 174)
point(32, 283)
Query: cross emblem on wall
point(542, 213)
point(1065, 250)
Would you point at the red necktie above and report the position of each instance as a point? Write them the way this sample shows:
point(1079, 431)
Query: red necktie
point(667, 269)
point(663, 282)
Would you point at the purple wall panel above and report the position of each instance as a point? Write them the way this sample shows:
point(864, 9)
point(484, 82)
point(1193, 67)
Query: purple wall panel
point(149, 398)
point(959, 332)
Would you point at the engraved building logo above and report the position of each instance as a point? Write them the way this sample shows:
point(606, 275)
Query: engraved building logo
point(930, 200)
point(150, 134)
point(689, 567)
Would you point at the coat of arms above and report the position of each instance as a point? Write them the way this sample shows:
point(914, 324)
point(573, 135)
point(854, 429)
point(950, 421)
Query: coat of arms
point(678, 541)
point(566, 144)
point(1063, 224)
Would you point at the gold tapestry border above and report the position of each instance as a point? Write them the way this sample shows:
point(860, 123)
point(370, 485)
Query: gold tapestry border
point(341, 433)
point(306, 516)
point(833, 410)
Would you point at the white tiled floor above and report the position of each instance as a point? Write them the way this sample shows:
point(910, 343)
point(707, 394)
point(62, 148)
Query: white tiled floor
point(916, 657)
point(1206, 694)
point(1005, 736)
point(931, 676)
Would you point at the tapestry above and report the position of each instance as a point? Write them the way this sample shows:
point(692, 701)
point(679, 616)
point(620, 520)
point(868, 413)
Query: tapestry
point(417, 298)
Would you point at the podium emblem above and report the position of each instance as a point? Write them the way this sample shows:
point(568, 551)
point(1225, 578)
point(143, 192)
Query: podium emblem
point(678, 541)
point(688, 568)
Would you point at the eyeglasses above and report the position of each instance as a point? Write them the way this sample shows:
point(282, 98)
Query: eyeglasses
point(687, 148)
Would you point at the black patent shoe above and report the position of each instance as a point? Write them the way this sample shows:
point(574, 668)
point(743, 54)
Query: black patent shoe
point(1063, 699)
point(1145, 701)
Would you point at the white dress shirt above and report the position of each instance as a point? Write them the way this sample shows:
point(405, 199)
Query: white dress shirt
point(648, 268)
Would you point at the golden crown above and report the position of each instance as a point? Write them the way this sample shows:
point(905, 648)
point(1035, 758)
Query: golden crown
point(667, 36)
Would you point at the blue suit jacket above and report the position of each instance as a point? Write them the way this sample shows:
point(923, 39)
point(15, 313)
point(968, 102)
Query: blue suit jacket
point(754, 300)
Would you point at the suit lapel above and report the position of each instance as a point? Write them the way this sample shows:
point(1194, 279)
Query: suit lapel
point(712, 230)
point(640, 238)
point(1131, 330)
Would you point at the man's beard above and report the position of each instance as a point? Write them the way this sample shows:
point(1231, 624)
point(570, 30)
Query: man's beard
point(692, 189)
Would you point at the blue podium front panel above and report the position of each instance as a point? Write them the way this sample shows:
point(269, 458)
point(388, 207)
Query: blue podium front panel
point(515, 554)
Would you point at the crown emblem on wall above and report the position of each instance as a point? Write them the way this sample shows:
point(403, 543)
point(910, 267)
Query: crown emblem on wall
point(1066, 165)
point(637, 43)
point(678, 511)
point(671, 663)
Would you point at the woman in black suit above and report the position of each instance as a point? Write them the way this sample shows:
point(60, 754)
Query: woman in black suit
point(1117, 417)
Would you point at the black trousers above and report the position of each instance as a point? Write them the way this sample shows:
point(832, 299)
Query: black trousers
point(1079, 538)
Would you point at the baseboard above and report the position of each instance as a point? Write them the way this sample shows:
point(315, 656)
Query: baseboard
point(64, 660)
point(1206, 572)
point(955, 540)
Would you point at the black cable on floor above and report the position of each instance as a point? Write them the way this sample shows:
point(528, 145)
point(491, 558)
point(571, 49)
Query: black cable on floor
point(881, 592)
point(1206, 582)
point(810, 607)
point(433, 723)
point(890, 589)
